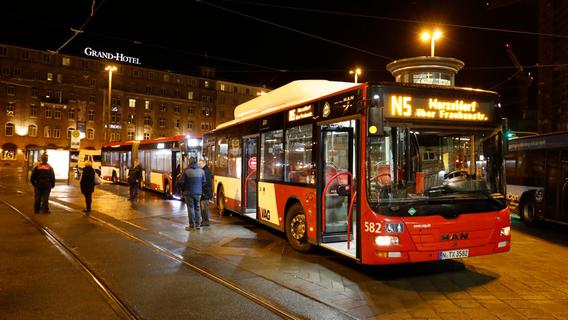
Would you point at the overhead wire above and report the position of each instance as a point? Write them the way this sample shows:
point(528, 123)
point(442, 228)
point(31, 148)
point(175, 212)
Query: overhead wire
point(76, 32)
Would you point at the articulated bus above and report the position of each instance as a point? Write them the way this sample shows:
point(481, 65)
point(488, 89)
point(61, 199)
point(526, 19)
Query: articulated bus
point(537, 177)
point(163, 159)
point(117, 159)
point(382, 173)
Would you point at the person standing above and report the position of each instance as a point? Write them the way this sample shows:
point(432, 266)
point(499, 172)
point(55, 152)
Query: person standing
point(88, 185)
point(43, 180)
point(134, 179)
point(207, 191)
point(193, 183)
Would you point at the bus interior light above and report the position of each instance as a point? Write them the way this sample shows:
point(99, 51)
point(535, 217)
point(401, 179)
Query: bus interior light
point(386, 241)
point(505, 231)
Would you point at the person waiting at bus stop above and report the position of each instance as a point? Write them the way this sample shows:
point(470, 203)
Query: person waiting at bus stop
point(134, 179)
point(88, 185)
point(207, 192)
point(43, 180)
point(193, 184)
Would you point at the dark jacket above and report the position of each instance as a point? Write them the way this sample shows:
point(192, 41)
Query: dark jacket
point(135, 175)
point(88, 180)
point(193, 180)
point(208, 189)
point(43, 176)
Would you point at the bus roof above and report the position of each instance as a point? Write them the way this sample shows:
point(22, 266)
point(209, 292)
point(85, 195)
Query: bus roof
point(118, 144)
point(291, 94)
point(171, 138)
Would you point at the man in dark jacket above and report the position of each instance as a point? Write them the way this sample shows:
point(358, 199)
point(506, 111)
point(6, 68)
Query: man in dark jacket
point(193, 182)
point(88, 185)
point(207, 192)
point(134, 179)
point(43, 179)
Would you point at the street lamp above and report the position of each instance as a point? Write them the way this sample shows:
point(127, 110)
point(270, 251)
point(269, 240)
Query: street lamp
point(110, 70)
point(355, 72)
point(425, 36)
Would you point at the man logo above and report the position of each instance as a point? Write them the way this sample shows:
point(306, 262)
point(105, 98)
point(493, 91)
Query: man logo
point(454, 236)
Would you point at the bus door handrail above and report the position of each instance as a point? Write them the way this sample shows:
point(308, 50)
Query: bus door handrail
point(246, 187)
point(349, 220)
point(323, 209)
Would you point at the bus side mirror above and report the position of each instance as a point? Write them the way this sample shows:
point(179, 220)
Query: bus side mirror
point(375, 121)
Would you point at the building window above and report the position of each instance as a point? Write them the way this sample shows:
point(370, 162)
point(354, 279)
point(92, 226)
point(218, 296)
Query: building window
point(166, 77)
point(11, 90)
point(85, 65)
point(91, 115)
point(179, 80)
point(190, 95)
point(130, 118)
point(147, 105)
point(92, 99)
point(91, 134)
point(132, 103)
point(162, 122)
point(48, 112)
point(148, 90)
point(56, 133)
point(151, 75)
point(59, 78)
point(206, 99)
point(72, 96)
point(25, 55)
point(206, 84)
point(247, 91)
point(49, 76)
point(163, 108)
point(190, 124)
point(33, 111)
point(71, 114)
point(47, 132)
point(3, 51)
point(135, 73)
point(115, 136)
point(34, 92)
point(46, 58)
point(6, 71)
point(190, 110)
point(178, 123)
point(235, 89)
point(57, 113)
point(147, 121)
point(10, 109)
point(66, 61)
point(93, 82)
point(18, 72)
point(35, 75)
point(58, 95)
point(163, 92)
point(146, 135)
point(115, 117)
point(49, 94)
point(177, 108)
point(9, 129)
point(222, 86)
point(130, 135)
point(205, 111)
point(69, 132)
point(32, 130)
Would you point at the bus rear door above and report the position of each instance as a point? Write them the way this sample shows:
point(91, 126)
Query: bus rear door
point(249, 175)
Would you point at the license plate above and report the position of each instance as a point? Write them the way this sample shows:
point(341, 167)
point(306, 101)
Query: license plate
point(454, 254)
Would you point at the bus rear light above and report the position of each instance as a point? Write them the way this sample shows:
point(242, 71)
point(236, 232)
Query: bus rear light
point(502, 244)
point(386, 241)
point(505, 231)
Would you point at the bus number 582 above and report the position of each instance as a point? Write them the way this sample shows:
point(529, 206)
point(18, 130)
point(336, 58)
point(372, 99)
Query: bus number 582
point(373, 227)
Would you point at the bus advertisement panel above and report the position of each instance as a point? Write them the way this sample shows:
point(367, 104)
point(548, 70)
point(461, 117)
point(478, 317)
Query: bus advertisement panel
point(381, 173)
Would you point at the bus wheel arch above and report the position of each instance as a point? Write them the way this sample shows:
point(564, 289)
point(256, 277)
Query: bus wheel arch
point(296, 226)
point(221, 199)
point(527, 209)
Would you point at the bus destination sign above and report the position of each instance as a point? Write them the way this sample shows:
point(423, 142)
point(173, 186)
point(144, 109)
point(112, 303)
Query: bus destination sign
point(404, 106)
point(300, 113)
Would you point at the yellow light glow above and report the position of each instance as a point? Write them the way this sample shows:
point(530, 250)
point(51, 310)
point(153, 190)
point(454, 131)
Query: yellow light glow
point(437, 34)
point(425, 36)
point(21, 131)
point(110, 68)
point(372, 129)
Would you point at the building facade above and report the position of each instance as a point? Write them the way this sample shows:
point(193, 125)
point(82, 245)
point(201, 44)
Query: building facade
point(44, 96)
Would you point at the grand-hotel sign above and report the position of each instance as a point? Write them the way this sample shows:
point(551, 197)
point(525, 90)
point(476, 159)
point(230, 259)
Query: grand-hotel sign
point(111, 56)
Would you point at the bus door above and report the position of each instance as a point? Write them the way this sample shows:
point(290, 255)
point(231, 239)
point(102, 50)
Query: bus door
point(249, 176)
point(176, 169)
point(124, 165)
point(337, 169)
point(564, 187)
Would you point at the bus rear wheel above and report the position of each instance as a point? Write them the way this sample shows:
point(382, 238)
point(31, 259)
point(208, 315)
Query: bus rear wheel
point(527, 211)
point(221, 201)
point(297, 228)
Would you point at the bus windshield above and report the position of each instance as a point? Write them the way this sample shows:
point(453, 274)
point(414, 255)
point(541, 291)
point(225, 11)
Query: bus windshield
point(409, 165)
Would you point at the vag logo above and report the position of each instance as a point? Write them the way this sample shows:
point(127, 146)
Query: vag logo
point(454, 236)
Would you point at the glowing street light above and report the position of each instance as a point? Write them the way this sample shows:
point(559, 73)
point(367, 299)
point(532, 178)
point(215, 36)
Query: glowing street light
point(110, 70)
point(425, 36)
point(355, 72)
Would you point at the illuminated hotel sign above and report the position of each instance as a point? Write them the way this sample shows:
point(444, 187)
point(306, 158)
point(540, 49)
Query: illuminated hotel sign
point(300, 113)
point(437, 108)
point(120, 57)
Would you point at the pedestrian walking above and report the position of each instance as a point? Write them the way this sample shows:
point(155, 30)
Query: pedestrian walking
point(43, 180)
point(88, 185)
point(193, 184)
point(207, 191)
point(134, 179)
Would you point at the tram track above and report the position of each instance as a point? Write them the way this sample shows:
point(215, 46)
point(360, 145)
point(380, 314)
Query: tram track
point(119, 306)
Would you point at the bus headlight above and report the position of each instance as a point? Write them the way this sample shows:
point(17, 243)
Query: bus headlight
point(386, 241)
point(505, 231)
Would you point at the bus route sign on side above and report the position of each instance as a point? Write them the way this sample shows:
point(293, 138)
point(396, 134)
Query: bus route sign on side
point(252, 163)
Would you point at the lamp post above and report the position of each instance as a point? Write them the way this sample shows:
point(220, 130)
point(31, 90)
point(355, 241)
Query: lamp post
point(355, 72)
point(425, 36)
point(110, 70)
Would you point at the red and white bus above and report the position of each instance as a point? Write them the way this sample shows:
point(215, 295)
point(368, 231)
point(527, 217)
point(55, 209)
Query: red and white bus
point(117, 159)
point(380, 173)
point(163, 159)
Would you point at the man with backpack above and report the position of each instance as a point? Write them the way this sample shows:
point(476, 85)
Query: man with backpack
point(43, 180)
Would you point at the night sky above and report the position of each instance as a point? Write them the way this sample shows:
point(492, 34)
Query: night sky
point(274, 42)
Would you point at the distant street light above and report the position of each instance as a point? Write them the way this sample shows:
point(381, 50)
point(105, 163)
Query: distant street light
point(110, 70)
point(355, 72)
point(425, 36)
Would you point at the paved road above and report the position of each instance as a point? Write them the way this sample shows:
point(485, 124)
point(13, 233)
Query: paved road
point(528, 282)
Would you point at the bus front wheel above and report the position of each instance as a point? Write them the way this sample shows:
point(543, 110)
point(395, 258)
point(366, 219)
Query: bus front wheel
point(297, 228)
point(527, 210)
point(221, 201)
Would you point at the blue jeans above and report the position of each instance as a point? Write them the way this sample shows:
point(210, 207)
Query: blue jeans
point(193, 209)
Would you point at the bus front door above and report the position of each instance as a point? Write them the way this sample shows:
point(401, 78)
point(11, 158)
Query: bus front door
point(124, 164)
point(249, 179)
point(336, 172)
point(563, 187)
